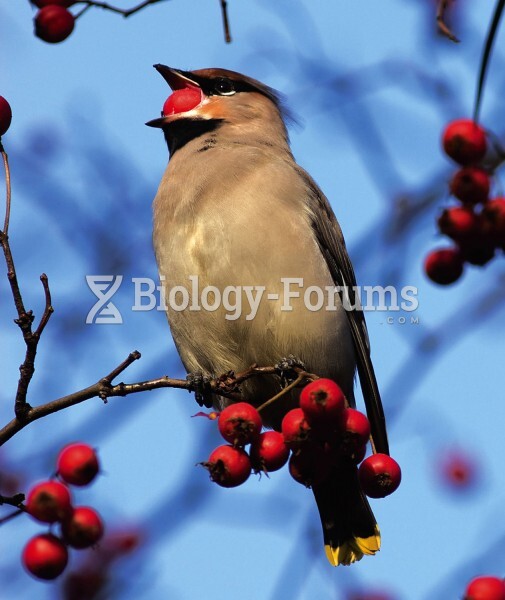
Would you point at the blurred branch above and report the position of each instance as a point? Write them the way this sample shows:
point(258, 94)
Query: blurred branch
point(441, 8)
point(226, 23)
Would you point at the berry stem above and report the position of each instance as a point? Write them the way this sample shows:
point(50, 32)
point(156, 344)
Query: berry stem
point(7, 189)
point(301, 376)
point(441, 8)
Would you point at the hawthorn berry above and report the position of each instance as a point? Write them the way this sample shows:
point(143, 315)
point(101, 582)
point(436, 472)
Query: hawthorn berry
point(477, 251)
point(239, 423)
point(310, 465)
point(77, 464)
point(470, 185)
point(485, 588)
point(458, 470)
point(322, 402)
point(49, 501)
point(45, 556)
point(464, 141)
point(181, 101)
point(5, 115)
point(269, 452)
point(356, 431)
point(459, 223)
point(379, 475)
point(444, 266)
point(228, 466)
point(493, 215)
point(54, 23)
point(295, 428)
point(84, 528)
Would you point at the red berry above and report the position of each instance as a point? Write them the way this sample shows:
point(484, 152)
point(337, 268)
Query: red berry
point(49, 501)
point(310, 465)
point(493, 215)
point(458, 470)
point(459, 223)
point(485, 588)
point(239, 423)
point(54, 24)
point(444, 266)
point(356, 431)
point(464, 141)
point(228, 466)
point(470, 185)
point(5, 115)
point(181, 101)
point(42, 3)
point(269, 452)
point(83, 529)
point(379, 475)
point(78, 464)
point(322, 401)
point(45, 556)
point(477, 251)
point(295, 428)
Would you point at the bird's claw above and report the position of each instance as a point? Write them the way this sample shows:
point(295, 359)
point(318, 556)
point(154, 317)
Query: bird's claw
point(202, 388)
point(286, 366)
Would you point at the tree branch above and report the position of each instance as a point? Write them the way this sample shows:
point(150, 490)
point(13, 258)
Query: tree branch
point(126, 12)
point(444, 29)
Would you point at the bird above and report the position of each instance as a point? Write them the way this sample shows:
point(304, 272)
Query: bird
point(234, 210)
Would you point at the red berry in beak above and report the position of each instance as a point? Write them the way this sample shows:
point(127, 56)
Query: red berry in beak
point(464, 141)
point(239, 423)
point(182, 101)
point(379, 475)
point(45, 556)
point(322, 402)
point(444, 266)
point(228, 466)
point(295, 428)
point(269, 452)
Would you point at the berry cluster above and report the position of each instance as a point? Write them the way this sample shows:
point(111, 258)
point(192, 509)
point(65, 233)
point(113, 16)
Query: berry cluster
point(476, 224)
point(485, 588)
point(316, 437)
point(54, 22)
point(46, 555)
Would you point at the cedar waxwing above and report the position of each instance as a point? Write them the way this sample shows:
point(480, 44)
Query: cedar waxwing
point(235, 211)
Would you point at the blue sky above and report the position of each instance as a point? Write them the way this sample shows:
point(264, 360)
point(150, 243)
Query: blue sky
point(342, 66)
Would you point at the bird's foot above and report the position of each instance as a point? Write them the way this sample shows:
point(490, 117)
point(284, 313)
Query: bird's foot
point(200, 384)
point(286, 368)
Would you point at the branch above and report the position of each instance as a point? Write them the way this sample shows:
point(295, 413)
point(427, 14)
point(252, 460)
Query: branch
point(126, 12)
point(444, 29)
point(25, 318)
point(226, 23)
point(227, 385)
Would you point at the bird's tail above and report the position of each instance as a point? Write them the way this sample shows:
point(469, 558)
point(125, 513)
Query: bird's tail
point(349, 526)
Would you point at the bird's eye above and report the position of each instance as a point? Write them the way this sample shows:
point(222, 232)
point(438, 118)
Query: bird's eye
point(224, 87)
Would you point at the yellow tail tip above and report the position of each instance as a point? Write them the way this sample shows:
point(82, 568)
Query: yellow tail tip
point(353, 550)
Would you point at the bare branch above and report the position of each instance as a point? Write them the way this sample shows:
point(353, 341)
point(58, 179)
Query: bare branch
point(226, 23)
point(444, 29)
point(227, 385)
point(126, 12)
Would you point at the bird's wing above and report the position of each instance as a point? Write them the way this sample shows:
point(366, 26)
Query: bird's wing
point(331, 242)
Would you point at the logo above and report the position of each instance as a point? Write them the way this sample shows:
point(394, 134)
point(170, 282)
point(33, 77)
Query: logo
point(104, 287)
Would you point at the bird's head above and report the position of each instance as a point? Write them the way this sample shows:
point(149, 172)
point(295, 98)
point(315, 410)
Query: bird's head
point(210, 99)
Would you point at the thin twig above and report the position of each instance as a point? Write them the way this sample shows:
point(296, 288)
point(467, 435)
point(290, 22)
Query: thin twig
point(226, 22)
point(7, 518)
point(7, 190)
point(444, 29)
point(122, 11)
point(302, 375)
point(48, 308)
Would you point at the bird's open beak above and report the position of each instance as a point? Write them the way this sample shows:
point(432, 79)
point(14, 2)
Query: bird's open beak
point(177, 80)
